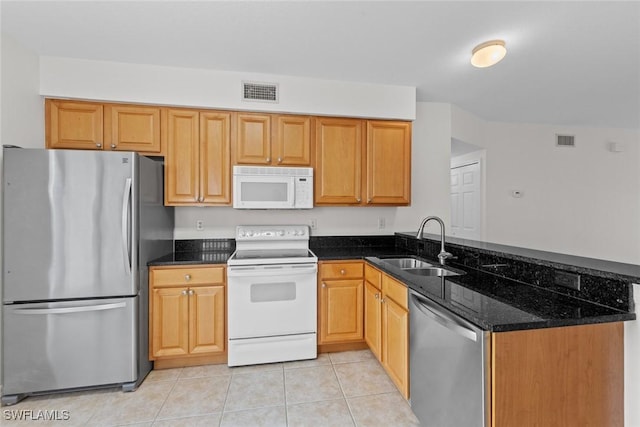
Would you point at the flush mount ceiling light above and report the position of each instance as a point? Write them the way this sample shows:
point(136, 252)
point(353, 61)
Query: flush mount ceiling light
point(488, 53)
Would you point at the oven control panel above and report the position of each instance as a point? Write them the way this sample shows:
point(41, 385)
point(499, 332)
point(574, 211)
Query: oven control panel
point(272, 232)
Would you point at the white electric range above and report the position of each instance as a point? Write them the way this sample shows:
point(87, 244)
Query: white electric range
point(272, 296)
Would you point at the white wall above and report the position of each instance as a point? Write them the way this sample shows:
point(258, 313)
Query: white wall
point(430, 195)
point(21, 107)
point(154, 84)
point(583, 201)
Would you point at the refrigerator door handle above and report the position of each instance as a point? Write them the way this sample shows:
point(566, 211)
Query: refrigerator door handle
point(125, 226)
point(65, 310)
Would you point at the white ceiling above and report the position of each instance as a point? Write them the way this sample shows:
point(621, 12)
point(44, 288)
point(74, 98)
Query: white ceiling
point(568, 63)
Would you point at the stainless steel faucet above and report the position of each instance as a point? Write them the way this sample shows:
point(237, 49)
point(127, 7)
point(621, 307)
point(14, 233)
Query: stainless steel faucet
point(443, 255)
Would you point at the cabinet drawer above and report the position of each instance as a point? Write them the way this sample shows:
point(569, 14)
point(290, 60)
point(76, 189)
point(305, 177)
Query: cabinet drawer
point(395, 290)
point(187, 276)
point(372, 275)
point(342, 270)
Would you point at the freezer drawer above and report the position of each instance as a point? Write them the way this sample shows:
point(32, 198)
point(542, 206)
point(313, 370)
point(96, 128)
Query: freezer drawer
point(59, 345)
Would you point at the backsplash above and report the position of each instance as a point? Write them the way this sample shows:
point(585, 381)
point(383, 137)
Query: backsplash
point(599, 287)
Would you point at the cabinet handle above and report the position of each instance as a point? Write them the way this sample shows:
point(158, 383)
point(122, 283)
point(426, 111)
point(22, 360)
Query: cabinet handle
point(382, 300)
point(113, 146)
point(279, 160)
point(187, 277)
point(369, 201)
point(342, 272)
point(358, 200)
point(201, 199)
point(191, 292)
point(99, 145)
point(268, 159)
point(324, 285)
point(377, 296)
point(184, 292)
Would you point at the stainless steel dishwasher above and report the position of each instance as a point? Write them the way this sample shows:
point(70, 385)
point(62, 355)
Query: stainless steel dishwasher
point(449, 366)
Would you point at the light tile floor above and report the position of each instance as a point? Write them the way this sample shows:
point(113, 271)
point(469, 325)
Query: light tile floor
point(337, 389)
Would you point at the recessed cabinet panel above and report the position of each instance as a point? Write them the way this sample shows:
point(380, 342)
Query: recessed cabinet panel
point(338, 161)
point(253, 143)
point(182, 184)
point(215, 157)
point(388, 162)
point(74, 125)
point(132, 128)
point(292, 141)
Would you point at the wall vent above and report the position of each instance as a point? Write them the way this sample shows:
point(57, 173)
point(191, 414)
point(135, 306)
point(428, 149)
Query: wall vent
point(260, 92)
point(565, 140)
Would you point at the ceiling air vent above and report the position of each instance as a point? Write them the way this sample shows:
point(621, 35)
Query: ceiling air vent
point(261, 92)
point(565, 141)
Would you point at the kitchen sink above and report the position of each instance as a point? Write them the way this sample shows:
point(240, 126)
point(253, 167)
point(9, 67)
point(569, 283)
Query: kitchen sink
point(431, 271)
point(407, 263)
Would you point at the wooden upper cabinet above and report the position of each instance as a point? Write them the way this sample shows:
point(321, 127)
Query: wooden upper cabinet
point(182, 161)
point(95, 126)
point(291, 140)
point(273, 140)
point(388, 162)
point(73, 125)
point(345, 171)
point(197, 162)
point(253, 141)
point(215, 157)
point(339, 151)
point(132, 128)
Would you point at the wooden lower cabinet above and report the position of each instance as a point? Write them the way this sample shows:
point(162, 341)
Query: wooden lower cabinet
point(387, 325)
point(341, 304)
point(571, 376)
point(187, 319)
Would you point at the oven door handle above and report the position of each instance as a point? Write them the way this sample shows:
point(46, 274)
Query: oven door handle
point(271, 270)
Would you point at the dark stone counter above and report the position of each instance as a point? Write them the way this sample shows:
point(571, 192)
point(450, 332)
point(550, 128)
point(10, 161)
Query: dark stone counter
point(503, 288)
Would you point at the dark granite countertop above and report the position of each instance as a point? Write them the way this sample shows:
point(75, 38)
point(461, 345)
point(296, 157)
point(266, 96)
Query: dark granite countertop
point(486, 298)
point(192, 257)
point(599, 267)
point(499, 304)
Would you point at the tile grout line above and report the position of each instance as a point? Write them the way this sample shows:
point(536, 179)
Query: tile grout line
point(333, 366)
point(155, 418)
point(284, 387)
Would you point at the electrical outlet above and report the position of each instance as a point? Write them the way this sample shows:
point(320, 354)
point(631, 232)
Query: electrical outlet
point(313, 223)
point(568, 280)
point(382, 223)
point(199, 225)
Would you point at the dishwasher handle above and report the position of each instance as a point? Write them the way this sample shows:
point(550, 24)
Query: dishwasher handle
point(439, 315)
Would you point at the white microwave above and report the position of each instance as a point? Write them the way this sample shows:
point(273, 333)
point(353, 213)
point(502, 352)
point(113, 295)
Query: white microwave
point(270, 187)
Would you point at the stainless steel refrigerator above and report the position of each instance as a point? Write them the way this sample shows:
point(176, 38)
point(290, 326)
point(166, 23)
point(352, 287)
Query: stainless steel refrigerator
point(78, 230)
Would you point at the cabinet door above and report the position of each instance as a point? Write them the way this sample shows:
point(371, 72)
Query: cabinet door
point(341, 310)
point(253, 142)
point(388, 162)
point(73, 125)
point(395, 344)
point(215, 158)
point(373, 319)
point(132, 128)
point(182, 160)
point(292, 141)
point(206, 319)
point(339, 161)
point(170, 322)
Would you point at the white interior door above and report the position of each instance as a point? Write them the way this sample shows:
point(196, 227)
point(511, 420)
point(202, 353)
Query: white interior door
point(465, 202)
